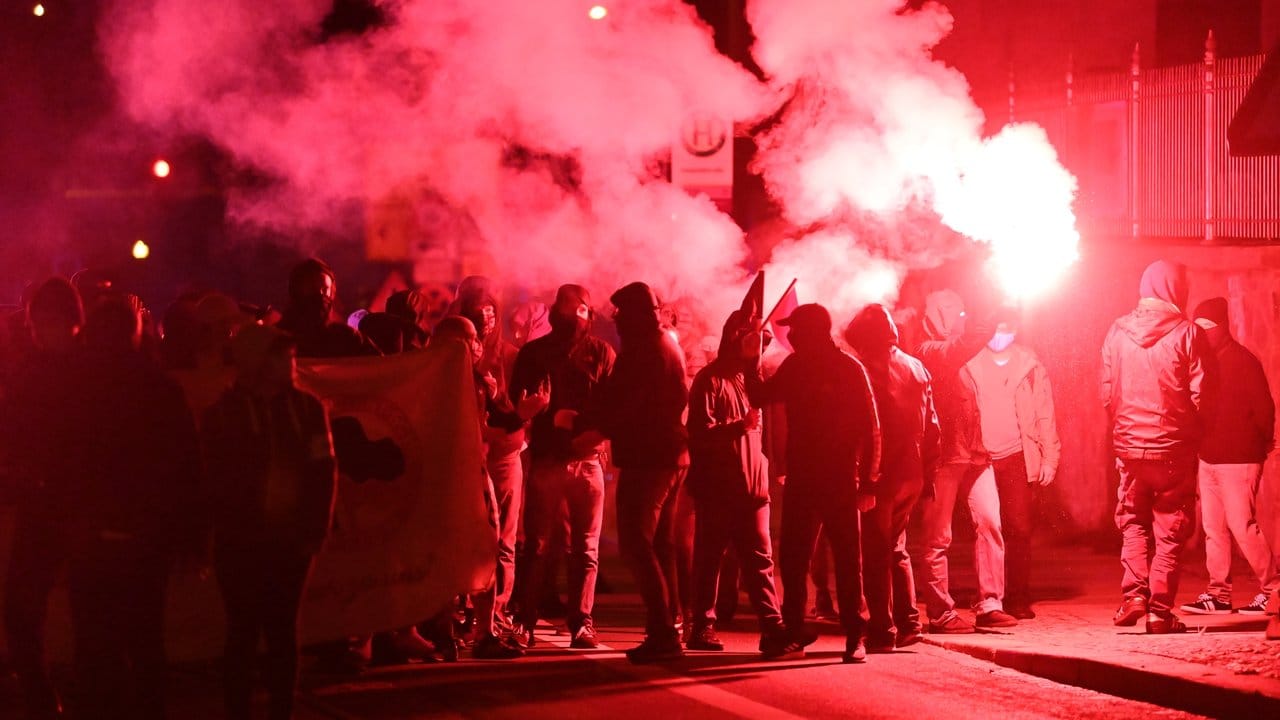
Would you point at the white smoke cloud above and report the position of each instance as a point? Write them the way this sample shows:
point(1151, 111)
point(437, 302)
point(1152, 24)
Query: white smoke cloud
point(877, 128)
point(879, 145)
point(429, 104)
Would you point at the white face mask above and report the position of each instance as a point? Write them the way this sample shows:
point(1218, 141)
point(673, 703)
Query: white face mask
point(1001, 341)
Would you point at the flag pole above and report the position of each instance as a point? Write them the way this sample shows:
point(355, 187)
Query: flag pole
point(779, 303)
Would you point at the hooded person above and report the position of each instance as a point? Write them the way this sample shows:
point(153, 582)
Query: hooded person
point(640, 409)
point(569, 365)
point(529, 321)
point(728, 480)
point(313, 292)
point(272, 482)
point(952, 339)
point(1156, 379)
point(414, 312)
point(909, 437)
point(1020, 433)
point(1240, 433)
point(833, 467)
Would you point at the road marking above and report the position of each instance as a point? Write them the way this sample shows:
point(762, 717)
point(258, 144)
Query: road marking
point(685, 686)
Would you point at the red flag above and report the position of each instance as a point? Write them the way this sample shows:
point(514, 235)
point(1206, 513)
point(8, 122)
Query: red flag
point(789, 302)
point(753, 302)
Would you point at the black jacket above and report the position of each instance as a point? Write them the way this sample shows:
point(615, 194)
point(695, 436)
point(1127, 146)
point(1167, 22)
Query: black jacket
point(1242, 419)
point(575, 369)
point(833, 430)
point(726, 460)
point(640, 407)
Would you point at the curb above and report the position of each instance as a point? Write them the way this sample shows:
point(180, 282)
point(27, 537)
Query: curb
point(1168, 683)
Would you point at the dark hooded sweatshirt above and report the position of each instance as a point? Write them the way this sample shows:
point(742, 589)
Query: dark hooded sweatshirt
point(1154, 368)
point(726, 460)
point(950, 344)
point(1241, 426)
point(909, 433)
point(575, 366)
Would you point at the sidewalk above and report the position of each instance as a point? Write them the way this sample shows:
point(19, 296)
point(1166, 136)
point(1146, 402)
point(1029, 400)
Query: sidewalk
point(1222, 667)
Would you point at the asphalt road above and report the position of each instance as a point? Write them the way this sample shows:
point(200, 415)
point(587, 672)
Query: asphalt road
point(553, 682)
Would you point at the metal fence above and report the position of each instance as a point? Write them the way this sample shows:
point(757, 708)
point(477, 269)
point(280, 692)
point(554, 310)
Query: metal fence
point(1149, 148)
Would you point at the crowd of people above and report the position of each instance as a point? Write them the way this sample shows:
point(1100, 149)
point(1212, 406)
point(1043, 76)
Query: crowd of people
point(130, 447)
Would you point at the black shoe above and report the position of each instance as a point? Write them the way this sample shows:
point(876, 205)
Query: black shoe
point(909, 636)
point(855, 652)
point(996, 619)
point(1207, 604)
point(778, 644)
point(491, 647)
point(584, 638)
point(655, 650)
point(522, 636)
point(1257, 607)
point(1022, 612)
point(1164, 624)
point(1131, 611)
point(705, 638)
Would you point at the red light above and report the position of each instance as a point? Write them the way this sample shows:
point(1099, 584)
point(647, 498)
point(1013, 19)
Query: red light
point(161, 169)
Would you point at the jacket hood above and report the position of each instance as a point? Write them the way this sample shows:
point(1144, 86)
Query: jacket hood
point(872, 331)
point(1147, 325)
point(731, 336)
point(943, 314)
point(474, 294)
point(1167, 281)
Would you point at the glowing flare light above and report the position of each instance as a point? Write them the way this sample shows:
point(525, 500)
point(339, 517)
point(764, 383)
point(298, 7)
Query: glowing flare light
point(1013, 195)
point(598, 12)
point(161, 169)
point(141, 251)
point(38, 10)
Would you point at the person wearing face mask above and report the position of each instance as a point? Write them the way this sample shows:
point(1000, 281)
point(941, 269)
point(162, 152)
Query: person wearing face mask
point(1239, 437)
point(1157, 376)
point(569, 364)
point(640, 409)
point(1019, 431)
point(313, 290)
point(910, 439)
point(730, 489)
point(964, 470)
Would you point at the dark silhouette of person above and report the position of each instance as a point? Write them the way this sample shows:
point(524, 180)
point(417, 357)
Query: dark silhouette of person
point(910, 442)
point(640, 408)
point(272, 479)
point(36, 426)
point(313, 290)
point(833, 459)
point(572, 364)
point(135, 485)
point(730, 489)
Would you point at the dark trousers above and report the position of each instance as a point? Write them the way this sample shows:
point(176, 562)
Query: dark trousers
point(743, 523)
point(646, 540)
point(807, 509)
point(886, 565)
point(1156, 505)
point(262, 588)
point(1015, 522)
point(117, 590)
point(38, 555)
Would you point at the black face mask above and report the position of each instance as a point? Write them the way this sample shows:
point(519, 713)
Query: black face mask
point(564, 325)
point(313, 309)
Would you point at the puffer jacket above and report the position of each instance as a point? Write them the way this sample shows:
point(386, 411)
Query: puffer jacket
point(950, 344)
point(1154, 367)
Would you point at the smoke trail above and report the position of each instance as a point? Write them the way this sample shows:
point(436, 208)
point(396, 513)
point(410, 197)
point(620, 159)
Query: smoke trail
point(877, 128)
point(433, 105)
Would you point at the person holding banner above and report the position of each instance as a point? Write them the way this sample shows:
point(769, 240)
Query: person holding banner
point(833, 458)
point(272, 483)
